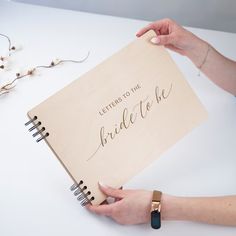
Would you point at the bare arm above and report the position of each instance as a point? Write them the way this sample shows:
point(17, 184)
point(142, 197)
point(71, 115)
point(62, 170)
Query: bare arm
point(211, 210)
point(133, 207)
point(218, 68)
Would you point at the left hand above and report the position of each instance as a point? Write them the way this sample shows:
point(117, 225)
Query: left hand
point(132, 206)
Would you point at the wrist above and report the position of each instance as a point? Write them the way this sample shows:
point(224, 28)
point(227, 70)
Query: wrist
point(198, 51)
point(171, 207)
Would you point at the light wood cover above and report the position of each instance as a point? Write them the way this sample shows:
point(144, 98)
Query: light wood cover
point(138, 93)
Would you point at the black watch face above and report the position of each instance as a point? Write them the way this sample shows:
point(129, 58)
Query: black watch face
point(155, 219)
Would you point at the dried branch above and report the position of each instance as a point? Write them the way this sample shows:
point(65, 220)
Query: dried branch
point(10, 47)
point(9, 86)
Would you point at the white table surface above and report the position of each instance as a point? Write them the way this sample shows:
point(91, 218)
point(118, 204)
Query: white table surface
point(34, 188)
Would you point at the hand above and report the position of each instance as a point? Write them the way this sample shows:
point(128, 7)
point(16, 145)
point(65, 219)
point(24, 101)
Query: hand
point(131, 206)
point(178, 39)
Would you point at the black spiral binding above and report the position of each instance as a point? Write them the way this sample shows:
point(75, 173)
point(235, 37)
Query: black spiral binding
point(79, 189)
point(80, 192)
point(40, 131)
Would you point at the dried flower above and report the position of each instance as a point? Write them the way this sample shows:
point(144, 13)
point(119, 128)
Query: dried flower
point(9, 86)
point(10, 46)
point(4, 89)
point(31, 71)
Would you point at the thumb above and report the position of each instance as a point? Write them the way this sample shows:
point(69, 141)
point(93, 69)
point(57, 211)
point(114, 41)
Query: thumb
point(111, 192)
point(162, 40)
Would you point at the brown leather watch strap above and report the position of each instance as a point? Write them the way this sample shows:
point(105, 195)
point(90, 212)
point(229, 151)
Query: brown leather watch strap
point(156, 210)
point(156, 200)
point(156, 196)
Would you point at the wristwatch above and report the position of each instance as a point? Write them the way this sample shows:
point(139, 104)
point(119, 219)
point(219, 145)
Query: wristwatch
point(156, 210)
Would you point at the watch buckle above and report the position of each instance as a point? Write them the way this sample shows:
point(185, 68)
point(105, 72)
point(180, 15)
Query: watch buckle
point(156, 206)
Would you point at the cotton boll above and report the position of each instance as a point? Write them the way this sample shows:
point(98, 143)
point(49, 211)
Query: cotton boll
point(21, 72)
point(16, 47)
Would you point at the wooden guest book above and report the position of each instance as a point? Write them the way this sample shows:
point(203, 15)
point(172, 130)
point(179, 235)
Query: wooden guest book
point(117, 118)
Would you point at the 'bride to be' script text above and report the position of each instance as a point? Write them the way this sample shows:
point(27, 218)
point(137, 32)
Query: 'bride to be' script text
point(129, 117)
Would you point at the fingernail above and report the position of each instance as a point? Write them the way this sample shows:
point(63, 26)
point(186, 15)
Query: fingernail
point(102, 184)
point(155, 40)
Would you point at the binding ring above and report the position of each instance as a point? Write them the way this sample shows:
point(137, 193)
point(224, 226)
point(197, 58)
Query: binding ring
point(35, 126)
point(39, 131)
point(82, 196)
point(30, 121)
point(42, 137)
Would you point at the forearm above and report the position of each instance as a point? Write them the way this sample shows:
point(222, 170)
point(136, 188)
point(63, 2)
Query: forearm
point(211, 210)
point(221, 70)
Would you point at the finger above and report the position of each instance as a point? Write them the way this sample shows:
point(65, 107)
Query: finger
point(116, 198)
point(112, 192)
point(156, 26)
point(145, 29)
point(155, 40)
point(162, 40)
point(101, 209)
